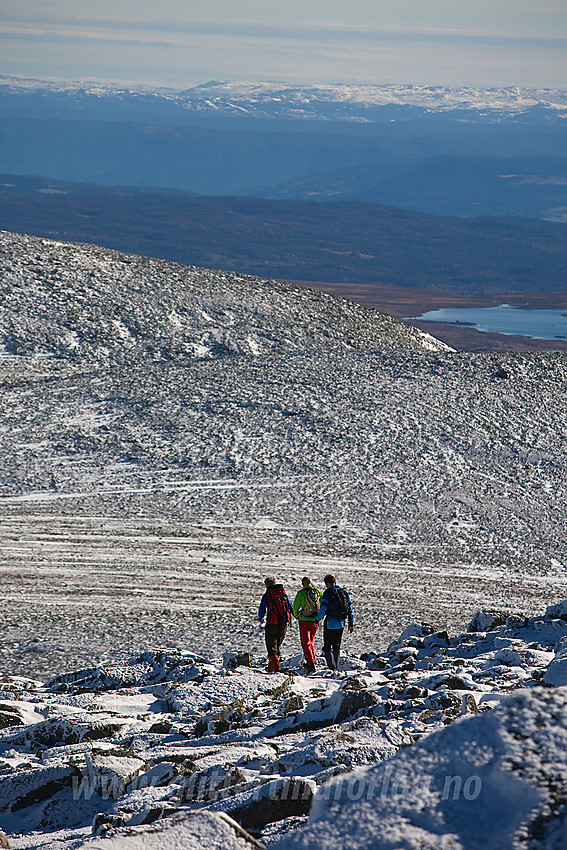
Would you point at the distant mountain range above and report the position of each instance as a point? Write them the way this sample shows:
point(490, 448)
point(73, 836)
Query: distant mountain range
point(467, 152)
point(362, 103)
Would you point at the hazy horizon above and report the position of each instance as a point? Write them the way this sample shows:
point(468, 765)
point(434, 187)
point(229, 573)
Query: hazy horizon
point(489, 43)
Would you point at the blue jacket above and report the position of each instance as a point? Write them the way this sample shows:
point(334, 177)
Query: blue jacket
point(331, 622)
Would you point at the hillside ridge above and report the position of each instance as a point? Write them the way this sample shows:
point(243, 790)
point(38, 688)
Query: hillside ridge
point(84, 302)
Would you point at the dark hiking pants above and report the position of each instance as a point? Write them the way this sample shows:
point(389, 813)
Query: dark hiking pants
point(274, 637)
point(332, 646)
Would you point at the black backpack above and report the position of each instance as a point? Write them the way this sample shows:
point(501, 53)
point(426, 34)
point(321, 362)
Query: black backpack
point(279, 607)
point(338, 603)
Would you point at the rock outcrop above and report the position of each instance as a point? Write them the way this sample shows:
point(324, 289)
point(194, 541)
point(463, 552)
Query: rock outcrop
point(475, 723)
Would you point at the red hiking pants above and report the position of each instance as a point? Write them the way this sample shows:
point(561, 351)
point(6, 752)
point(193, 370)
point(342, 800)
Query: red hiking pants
point(307, 631)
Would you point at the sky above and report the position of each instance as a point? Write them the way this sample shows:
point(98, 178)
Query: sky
point(178, 43)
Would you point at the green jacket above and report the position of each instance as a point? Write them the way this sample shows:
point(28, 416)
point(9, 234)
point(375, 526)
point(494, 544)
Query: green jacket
point(299, 602)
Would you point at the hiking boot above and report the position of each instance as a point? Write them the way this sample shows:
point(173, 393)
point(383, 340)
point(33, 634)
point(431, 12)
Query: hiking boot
point(273, 664)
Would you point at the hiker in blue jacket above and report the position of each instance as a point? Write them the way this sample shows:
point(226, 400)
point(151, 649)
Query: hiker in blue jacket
point(276, 608)
point(336, 608)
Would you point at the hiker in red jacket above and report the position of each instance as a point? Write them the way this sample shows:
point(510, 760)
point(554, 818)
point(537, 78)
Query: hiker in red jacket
point(276, 608)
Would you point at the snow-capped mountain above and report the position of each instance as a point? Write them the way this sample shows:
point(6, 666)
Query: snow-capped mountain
point(358, 103)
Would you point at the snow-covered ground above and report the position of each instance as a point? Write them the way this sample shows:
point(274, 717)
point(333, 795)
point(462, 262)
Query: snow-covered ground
point(171, 435)
point(455, 742)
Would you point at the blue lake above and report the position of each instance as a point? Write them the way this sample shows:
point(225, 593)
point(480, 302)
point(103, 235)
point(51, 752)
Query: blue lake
point(505, 319)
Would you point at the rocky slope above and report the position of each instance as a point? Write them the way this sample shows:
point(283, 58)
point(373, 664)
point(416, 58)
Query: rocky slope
point(84, 303)
point(167, 428)
point(440, 741)
point(169, 435)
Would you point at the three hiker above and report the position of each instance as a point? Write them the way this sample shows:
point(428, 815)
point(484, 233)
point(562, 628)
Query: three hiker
point(309, 608)
point(276, 608)
point(335, 609)
point(305, 608)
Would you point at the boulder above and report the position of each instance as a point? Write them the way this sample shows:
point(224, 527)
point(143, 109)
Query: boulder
point(224, 691)
point(232, 660)
point(419, 630)
point(556, 673)
point(9, 716)
point(516, 621)
point(495, 780)
point(509, 656)
point(110, 774)
point(557, 612)
point(193, 831)
point(41, 798)
point(443, 700)
point(162, 774)
point(55, 732)
point(469, 704)
point(151, 814)
point(104, 822)
point(347, 702)
point(217, 722)
point(29, 787)
point(355, 702)
point(487, 621)
point(273, 801)
point(204, 784)
point(294, 703)
point(366, 740)
point(373, 661)
point(447, 679)
point(148, 668)
point(437, 640)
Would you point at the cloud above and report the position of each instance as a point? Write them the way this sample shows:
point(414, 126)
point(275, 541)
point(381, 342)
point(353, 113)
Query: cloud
point(87, 45)
point(53, 34)
point(80, 27)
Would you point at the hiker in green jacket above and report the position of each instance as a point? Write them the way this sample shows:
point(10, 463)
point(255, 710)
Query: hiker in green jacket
point(305, 608)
